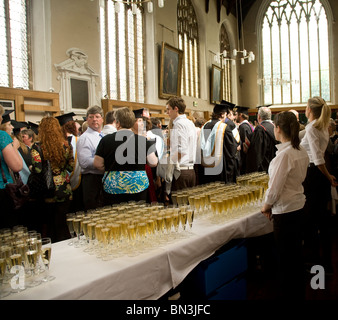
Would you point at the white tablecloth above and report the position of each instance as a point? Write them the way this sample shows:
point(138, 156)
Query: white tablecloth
point(146, 276)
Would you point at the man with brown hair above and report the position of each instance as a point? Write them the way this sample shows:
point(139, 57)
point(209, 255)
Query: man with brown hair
point(183, 144)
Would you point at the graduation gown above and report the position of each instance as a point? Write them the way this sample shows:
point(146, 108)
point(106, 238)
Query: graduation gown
point(245, 131)
point(262, 148)
point(227, 167)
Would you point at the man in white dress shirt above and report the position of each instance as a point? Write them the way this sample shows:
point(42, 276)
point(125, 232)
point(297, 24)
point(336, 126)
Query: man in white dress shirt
point(183, 144)
point(86, 148)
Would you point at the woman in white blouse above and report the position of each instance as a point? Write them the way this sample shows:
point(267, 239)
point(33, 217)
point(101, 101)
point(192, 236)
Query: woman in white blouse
point(284, 202)
point(317, 185)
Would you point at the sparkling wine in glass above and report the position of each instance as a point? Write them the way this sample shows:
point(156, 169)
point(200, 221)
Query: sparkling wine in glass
point(46, 254)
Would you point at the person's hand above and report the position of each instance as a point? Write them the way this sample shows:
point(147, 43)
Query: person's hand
point(333, 180)
point(16, 143)
point(266, 210)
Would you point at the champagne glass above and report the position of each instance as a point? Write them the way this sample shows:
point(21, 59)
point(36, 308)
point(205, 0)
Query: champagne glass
point(84, 226)
point(174, 198)
point(32, 255)
point(4, 291)
point(106, 236)
point(46, 253)
point(132, 239)
point(151, 230)
point(168, 221)
point(116, 230)
point(183, 219)
point(91, 236)
point(17, 268)
point(77, 229)
point(176, 223)
point(35, 236)
point(141, 233)
point(69, 219)
point(190, 217)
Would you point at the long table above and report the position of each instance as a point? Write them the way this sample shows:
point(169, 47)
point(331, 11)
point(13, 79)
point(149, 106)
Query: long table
point(147, 276)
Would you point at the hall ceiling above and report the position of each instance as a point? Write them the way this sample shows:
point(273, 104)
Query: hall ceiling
point(230, 6)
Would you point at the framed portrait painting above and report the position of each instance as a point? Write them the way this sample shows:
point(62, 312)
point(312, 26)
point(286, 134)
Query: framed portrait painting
point(216, 84)
point(170, 71)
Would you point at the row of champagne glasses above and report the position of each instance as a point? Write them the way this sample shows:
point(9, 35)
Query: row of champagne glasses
point(24, 259)
point(225, 200)
point(128, 229)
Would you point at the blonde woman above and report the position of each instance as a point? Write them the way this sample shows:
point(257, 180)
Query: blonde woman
point(317, 185)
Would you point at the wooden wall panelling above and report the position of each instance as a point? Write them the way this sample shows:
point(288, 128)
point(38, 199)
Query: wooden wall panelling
point(27, 100)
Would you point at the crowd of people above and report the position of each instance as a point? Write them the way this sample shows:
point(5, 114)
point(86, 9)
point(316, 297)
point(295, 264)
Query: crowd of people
point(127, 155)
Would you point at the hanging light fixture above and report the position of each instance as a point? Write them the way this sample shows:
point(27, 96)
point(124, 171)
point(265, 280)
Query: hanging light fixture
point(135, 3)
point(225, 55)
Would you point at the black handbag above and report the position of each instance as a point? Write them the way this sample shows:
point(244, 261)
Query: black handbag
point(18, 191)
point(41, 185)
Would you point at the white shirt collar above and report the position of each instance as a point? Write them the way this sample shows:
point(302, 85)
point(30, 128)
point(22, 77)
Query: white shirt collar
point(282, 146)
point(181, 116)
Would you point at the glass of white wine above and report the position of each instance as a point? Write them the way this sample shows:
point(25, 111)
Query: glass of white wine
point(69, 219)
point(77, 229)
point(190, 217)
point(4, 288)
point(32, 255)
point(16, 261)
point(132, 239)
point(46, 253)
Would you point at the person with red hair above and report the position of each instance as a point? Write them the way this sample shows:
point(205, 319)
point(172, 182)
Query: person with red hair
point(52, 146)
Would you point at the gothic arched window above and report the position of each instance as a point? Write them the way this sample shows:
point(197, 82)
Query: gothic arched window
point(295, 52)
point(226, 65)
point(188, 42)
point(122, 48)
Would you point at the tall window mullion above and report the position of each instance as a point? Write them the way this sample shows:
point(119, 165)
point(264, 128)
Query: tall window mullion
point(319, 65)
point(309, 55)
point(271, 65)
point(280, 60)
point(127, 53)
point(290, 57)
point(300, 63)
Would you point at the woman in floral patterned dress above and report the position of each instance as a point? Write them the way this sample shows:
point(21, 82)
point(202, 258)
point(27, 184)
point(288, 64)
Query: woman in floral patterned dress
point(52, 146)
point(122, 157)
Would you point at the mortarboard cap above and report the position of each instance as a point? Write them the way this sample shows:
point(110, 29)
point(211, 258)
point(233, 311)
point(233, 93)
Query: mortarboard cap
point(64, 118)
point(220, 108)
point(230, 105)
point(244, 110)
point(33, 126)
point(18, 125)
point(138, 113)
point(6, 116)
point(265, 105)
